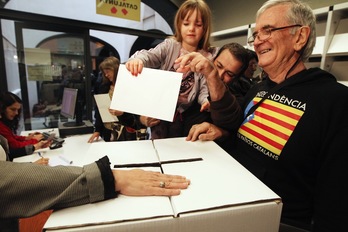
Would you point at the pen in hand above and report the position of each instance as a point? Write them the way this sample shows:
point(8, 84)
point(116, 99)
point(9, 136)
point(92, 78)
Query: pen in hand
point(42, 160)
point(39, 153)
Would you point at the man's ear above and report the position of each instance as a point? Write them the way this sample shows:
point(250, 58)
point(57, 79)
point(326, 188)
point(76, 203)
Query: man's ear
point(301, 36)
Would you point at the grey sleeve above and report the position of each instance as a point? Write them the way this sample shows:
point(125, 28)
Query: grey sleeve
point(160, 57)
point(27, 189)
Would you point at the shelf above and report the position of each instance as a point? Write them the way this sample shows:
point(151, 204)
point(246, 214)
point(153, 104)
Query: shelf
point(339, 45)
point(319, 46)
point(231, 31)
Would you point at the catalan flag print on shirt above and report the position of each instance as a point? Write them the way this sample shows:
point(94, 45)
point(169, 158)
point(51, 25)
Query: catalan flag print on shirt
point(270, 126)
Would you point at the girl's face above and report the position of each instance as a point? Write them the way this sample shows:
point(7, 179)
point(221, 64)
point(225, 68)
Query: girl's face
point(12, 111)
point(109, 73)
point(191, 30)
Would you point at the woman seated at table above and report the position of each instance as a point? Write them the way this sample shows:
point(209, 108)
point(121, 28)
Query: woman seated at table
point(10, 107)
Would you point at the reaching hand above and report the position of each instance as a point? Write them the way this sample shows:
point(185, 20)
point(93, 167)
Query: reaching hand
point(138, 182)
point(135, 66)
point(94, 137)
point(205, 106)
point(115, 112)
point(148, 121)
point(194, 62)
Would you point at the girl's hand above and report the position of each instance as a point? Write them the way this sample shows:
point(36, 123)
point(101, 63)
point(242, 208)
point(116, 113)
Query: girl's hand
point(135, 66)
point(205, 106)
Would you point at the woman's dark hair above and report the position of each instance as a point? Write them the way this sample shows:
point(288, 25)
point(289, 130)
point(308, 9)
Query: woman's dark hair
point(7, 99)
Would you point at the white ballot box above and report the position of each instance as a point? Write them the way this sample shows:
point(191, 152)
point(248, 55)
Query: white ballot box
point(223, 195)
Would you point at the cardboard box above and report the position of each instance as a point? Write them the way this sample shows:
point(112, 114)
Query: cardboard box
point(223, 195)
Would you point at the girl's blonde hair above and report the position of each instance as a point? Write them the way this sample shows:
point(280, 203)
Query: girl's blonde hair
point(188, 7)
point(112, 63)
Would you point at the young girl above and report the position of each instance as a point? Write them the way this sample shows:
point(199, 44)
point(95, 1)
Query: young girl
point(192, 34)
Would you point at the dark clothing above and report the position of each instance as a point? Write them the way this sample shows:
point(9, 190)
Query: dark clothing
point(182, 123)
point(226, 113)
point(239, 86)
point(295, 143)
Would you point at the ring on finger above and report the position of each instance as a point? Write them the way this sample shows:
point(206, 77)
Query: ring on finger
point(162, 184)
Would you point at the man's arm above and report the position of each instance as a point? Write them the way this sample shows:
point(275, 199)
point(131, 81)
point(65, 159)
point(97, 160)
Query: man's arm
point(225, 109)
point(226, 112)
point(27, 189)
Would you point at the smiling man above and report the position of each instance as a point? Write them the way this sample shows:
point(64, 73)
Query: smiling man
point(294, 128)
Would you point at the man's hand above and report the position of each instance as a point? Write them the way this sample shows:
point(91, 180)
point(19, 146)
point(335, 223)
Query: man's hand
point(137, 182)
point(205, 132)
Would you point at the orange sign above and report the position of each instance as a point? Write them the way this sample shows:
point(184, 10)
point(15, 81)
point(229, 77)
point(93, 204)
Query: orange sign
point(126, 9)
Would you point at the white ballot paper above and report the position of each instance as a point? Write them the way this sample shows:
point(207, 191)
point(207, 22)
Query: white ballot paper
point(153, 93)
point(103, 102)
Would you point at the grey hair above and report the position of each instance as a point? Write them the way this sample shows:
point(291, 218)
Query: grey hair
point(299, 13)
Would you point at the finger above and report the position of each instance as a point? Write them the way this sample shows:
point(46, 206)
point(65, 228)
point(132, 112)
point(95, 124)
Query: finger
point(193, 133)
point(140, 68)
point(131, 65)
point(205, 137)
point(186, 60)
point(169, 185)
point(164, 192)
point(178, 60)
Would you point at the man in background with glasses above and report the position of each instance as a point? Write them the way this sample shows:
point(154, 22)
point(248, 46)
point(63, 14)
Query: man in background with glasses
point(294, 128)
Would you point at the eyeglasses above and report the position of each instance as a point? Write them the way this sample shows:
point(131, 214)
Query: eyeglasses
point(264, 33)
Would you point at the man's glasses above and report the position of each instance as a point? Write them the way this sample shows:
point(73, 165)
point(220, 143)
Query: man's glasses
point(265, 33)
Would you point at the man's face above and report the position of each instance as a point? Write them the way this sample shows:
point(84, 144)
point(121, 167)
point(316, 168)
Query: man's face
point(227, 66)
point(275, 52)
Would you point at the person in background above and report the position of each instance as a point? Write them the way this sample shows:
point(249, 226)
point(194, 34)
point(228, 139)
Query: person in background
point(240, 85)
point(231, 62)
point(112, 131)
point(11, 106)
point(251, 69)
point(192, 34)
point(293, 131)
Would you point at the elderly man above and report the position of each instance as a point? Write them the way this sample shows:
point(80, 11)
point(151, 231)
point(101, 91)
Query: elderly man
point(294, 127)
